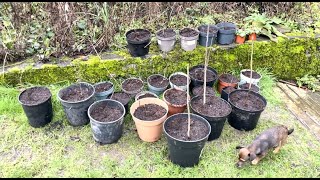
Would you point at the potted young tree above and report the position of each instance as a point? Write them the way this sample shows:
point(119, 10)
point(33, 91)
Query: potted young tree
point(166, 39)
point(37, 105)
point(138, 42)
point(212, 34)
point(197, 76)
point(198, 90)
point(241, 36)
point(103, 90)
point(189, 38)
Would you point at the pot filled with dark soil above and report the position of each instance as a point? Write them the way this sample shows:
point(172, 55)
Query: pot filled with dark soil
point(145, 94)
point(183, 150)
point(76, 100)
point(197, 76)
point(212, 35)
point(103, 90)
point(106, 120)
point(189, 38)
point(157, 83)
point(198, 90)
point(254, 88)
point(149, 115)
point(176, 100)
point(37, 105)
point(132, 86)
point(215, 110)
point(226, 33)
point(247, 107)
point(226, 91)
point(138, 42)
point(123, 98)
point(179, 80)
point(245, 77)
point(166, 39)
point(226, 80)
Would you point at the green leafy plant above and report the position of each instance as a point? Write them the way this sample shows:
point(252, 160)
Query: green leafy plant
point(310, 81)
point(241, 32)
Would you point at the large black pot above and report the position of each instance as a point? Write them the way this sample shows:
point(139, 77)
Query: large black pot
point(138, 48)
point(196, 82)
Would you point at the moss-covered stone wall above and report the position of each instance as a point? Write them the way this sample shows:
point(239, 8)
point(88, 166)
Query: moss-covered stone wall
point(287, 59)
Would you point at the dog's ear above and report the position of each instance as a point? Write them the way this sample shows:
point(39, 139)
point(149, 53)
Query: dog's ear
point(239, 147)
point(252, 156)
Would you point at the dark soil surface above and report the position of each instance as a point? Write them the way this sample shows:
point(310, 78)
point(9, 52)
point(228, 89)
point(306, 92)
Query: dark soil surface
point(103, 87)
point(122, 97)
point(188, 32)
point(204, 29)
point(176, 97)
point(214, 106)
point(158, 81)
point(132, 84)
point(228, 28)
point(35, 95)
point(77, 93)
point(146, 95)
point(247, 101)
point(149, 112)
point(246, 86)
point(178, 129)
point(228, 78)
point(139, 36)
point(198, 74)
point(106, 113)
point(179, 80)
point(229, 89)
point(199, 90)
point(255, 75)
point(166, 33)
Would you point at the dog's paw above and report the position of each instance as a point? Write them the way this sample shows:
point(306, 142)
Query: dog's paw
point(276, 150)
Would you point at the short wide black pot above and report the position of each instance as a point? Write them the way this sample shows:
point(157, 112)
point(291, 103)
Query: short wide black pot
point(242, 119)
point(185, 153)
point(211, 36)
point(216, 123)
point(40, 114)
point(107, 132)
point(138, 48)
point(196, 82)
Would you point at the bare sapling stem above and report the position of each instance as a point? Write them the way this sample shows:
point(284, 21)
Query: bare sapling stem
point(188, 100)
point(205, 69)
point(251, 62)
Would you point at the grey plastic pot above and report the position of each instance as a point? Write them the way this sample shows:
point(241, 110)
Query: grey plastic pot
point(104, 94)
point(189, 43)
point(166, 44)
point(226, 37)
point(107, 132)
point(211, 37)
point(154, 89)
point(184, 88)
point(76, 112)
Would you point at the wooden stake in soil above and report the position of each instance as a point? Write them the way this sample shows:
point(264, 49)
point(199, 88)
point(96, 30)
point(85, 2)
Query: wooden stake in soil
point(189, 120)
point(205, 68)
point(251, 65)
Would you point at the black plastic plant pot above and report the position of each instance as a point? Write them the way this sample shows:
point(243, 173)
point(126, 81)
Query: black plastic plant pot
point(76, 111)
point(225, 93)
point(242, 119)
point(216, 123)
point(39, 113)
point(226, 33)
point(211, 37)
point(138, 47)
point(185, 153)
point(107, 132)
point(196, 82)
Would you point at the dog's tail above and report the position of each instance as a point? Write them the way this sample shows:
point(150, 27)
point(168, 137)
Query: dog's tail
point(290, 131)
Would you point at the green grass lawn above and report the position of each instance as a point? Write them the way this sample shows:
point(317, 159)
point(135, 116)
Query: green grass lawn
point(60, 150)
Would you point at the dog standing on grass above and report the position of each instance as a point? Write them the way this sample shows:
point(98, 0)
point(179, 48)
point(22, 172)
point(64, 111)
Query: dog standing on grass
point(274, 137)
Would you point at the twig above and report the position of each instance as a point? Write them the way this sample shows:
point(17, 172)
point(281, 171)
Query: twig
point(189, 120)
point(4, 63)
point(205, 68)
point(251, 65)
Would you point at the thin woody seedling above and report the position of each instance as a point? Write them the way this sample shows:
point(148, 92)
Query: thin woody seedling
point(188, 100)
point(205, 68)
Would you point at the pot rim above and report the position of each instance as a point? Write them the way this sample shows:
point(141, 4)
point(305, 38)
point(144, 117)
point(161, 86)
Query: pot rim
point(76, 102)
point(191, 37)
point(167, 38)
point(208, 68)
point(121, 92)
point(230, 108)
point(226, 82)
point(174, 105)
point(30, 105)
point(102, 82)
point(252, 71)
point(137, 42)
point(256, 94)
point(205, 33)
point(157, 75)
point(191, 114)
point(143, 93)
point(132, 92)
point(110, 122)
point(180, 73)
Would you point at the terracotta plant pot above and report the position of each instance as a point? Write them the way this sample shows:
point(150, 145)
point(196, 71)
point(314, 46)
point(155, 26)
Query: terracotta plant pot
point(173, 108)
point(149, 131)
point(252, 36)
point(240, 40)
point(222, 84)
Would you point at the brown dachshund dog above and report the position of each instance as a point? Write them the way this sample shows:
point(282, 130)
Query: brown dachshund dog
point(274, 137)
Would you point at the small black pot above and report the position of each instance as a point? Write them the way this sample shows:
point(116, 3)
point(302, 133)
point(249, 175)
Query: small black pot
point(138, 48)
point(203, 36)
point(185, 153)
point(242, 119)
point(107, 132)
point(224, 94)
point(226, 37)
point(195, 82)
point(38, 115)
